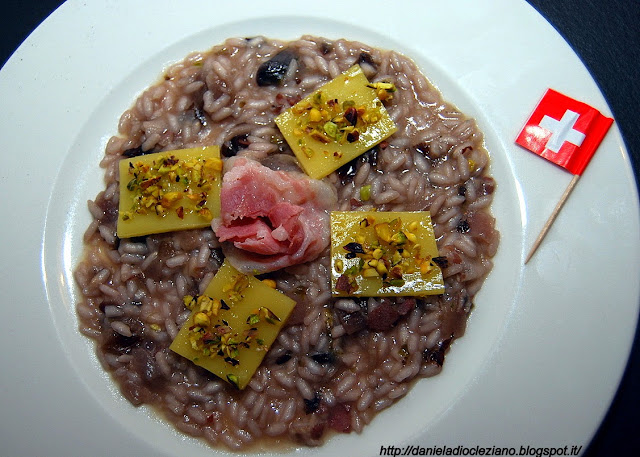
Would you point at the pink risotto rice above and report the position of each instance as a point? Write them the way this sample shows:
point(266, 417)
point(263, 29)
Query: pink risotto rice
point(335, 365)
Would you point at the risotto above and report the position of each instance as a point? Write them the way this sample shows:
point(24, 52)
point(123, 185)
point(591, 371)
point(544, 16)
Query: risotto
point(337, 361)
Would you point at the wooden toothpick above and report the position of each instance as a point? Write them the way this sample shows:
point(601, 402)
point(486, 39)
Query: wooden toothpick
point(553, 216)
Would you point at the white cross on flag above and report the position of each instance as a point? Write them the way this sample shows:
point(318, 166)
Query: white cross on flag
point(565, 131)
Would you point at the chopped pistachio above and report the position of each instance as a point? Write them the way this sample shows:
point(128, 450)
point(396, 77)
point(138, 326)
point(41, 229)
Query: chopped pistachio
point(388, 254)
point(269, 282)
point(409, 235)
point(383, 231)
point(232, 325)
point(331, 129)
point(167, 191)
point(365, 193)
point(344, 117)
point(315, 115)
point(381, 268)
point(233, 379)
point(201, 319)
point(398, 238)
point(425, 267)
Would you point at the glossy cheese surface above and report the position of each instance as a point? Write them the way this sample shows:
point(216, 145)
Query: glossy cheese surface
point(384, 254)
point(322, 145)
point(255, 315)
point(168, 191)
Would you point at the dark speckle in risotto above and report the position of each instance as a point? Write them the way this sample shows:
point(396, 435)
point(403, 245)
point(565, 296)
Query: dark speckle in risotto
point(338, 361)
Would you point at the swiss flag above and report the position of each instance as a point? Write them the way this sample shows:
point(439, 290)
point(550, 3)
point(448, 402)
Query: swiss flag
point(565, 131)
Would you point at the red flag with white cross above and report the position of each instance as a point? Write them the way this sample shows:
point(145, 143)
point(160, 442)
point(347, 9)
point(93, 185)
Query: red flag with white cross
point(565, 131)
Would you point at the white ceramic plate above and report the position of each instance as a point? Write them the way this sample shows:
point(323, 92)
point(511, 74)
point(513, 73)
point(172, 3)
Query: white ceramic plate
point(547, 343)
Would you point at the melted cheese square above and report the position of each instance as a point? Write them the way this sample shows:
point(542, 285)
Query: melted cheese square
point(167, 191)
point(337, 123)
point(384, 254)
point(232, 341)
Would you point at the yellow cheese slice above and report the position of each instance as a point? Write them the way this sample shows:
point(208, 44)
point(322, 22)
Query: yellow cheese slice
point(318, 133)
point(232, 341)
point(168, 191)
point(382, 254)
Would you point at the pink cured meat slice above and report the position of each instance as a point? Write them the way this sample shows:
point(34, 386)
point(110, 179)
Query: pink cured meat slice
point(272, 219)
